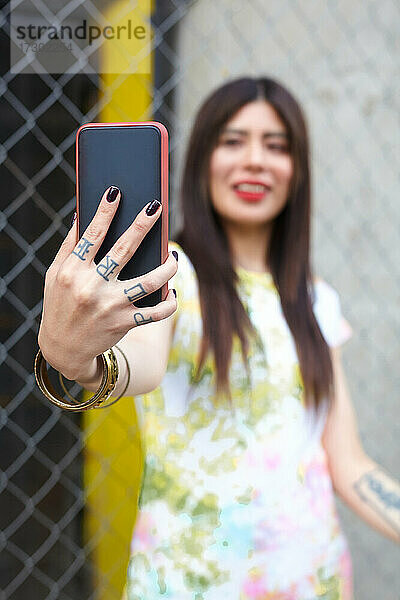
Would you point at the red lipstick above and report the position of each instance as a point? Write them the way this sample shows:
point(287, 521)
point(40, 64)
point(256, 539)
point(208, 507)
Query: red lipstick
point(250, 190)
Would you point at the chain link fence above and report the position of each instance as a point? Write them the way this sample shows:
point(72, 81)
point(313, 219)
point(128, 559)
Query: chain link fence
point(341, 61)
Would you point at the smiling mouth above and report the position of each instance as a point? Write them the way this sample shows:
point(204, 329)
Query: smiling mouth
point(251, 187)
point(251, 192)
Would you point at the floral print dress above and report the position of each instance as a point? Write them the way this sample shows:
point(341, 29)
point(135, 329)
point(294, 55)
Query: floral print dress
point(236, 500)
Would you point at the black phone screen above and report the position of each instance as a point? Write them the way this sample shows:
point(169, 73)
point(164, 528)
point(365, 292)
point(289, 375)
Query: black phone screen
point(128, 157)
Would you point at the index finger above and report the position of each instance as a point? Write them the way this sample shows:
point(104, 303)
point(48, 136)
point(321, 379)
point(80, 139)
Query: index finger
point(127, 244)
point(94, 234)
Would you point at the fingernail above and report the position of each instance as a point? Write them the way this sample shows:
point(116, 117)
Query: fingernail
point(112, 193)
point(73, 218)
point(174, 290)
point(153, 207)
point(174, 252)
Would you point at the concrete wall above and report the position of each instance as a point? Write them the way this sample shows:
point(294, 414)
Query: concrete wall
point(340, 59)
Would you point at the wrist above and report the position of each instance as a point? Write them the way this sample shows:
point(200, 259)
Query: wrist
point(91, 376)
point(81, 372)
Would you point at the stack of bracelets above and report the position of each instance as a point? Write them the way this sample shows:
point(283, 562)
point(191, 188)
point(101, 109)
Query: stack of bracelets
point(99, 398)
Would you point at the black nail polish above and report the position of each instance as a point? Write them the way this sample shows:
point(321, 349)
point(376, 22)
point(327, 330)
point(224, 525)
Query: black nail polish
point(112, 193)
point(174, 290)
point(153, 207)
point(73, 218)
point(174, 252)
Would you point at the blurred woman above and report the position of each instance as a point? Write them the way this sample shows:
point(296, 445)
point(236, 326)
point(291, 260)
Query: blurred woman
point(246, 419)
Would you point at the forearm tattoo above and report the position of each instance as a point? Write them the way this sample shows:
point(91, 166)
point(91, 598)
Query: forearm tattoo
point(382, 493)
point(82, 248)
point(137, 291)
point(106, 267)
point(140, 320)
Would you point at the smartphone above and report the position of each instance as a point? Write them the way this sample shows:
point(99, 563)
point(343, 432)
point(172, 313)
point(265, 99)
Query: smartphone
point(133, 157)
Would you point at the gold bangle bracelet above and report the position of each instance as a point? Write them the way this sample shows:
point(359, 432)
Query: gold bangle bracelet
point(107, 385)
point(128, 370)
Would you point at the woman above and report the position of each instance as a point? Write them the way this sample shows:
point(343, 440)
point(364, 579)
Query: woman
point(246, 418)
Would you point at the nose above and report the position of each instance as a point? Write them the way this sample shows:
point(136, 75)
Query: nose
point(254, 157)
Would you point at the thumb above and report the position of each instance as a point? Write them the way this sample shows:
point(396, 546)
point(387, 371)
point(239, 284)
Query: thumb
point(69, 243)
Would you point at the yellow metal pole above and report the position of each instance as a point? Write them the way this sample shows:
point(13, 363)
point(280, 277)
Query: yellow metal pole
point(112, 452)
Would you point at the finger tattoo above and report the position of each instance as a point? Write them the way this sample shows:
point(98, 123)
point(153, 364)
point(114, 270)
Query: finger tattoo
point(82, 248)
point(140, 320)
point(106, 268)
point(137, 291)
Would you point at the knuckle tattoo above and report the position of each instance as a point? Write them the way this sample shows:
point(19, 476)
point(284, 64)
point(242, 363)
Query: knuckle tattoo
point(82, 248)
point(135, 292)
point(106, 267)
point(140, 319)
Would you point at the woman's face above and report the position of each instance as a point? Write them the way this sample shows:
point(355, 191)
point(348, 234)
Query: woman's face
point(251, 167)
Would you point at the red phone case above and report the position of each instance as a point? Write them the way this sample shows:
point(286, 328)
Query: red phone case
point(134, 157)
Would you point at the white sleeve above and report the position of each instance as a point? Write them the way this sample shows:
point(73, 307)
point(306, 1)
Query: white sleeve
point(327, 309)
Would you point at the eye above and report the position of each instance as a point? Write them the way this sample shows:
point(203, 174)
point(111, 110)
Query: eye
point(230, 142)
point(278, 147)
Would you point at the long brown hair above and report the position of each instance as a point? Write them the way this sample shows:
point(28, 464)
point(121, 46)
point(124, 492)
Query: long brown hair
point(203, 239)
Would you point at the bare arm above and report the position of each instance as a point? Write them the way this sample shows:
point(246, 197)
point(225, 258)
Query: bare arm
point(363, 485)
point(146, 349)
